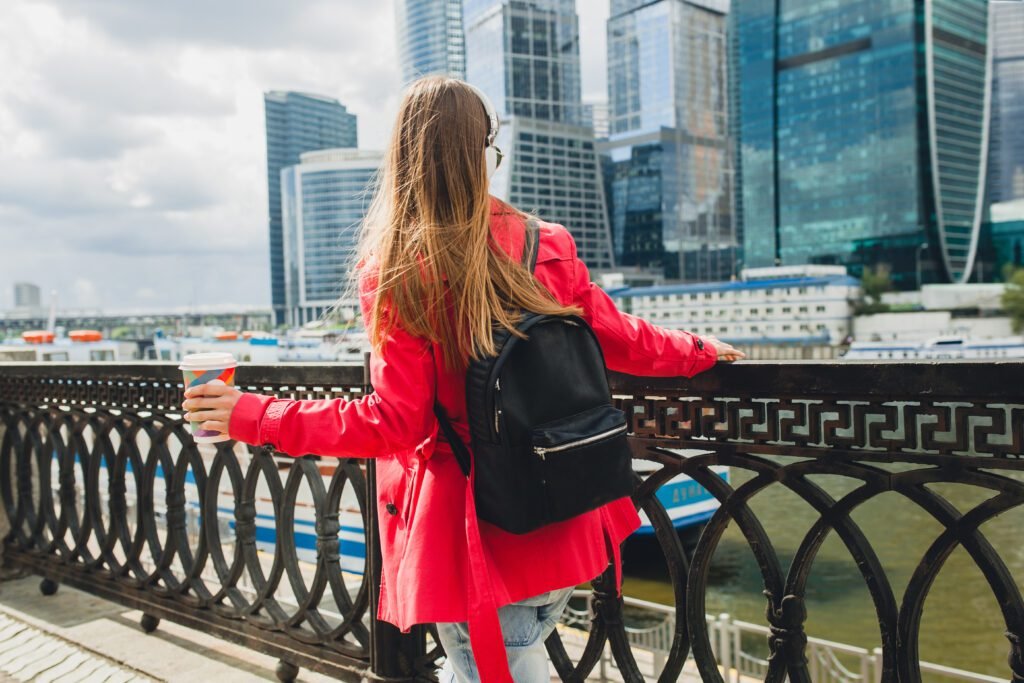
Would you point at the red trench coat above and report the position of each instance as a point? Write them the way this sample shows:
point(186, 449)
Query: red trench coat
point(439, 562)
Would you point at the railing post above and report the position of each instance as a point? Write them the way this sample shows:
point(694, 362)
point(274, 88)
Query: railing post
point(725, 655)
point(877, 668)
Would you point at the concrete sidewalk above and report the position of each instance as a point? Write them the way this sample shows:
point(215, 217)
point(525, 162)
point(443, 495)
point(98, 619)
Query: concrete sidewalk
point(73, 623)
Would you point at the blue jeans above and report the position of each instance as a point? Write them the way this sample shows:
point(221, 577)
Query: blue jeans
point(525, 625)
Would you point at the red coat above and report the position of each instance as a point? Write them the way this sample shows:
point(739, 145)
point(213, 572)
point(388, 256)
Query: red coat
point(439, 563)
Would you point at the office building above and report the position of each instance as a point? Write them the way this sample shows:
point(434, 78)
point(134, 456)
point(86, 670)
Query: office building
point(669, 158)
point(765, 306)
point(323, 201)
point(430, 38)
point(296, 123)
point(1005, 236)
point(864, 133)
point(525, 55)
point(1006, 156)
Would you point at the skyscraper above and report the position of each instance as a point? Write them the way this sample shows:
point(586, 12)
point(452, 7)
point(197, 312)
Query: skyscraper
point(1006, 158)
point(525, 55)
point(864, 133)
point(430, 38)
point(323, 201)
point(670, 160)
point(296, 123)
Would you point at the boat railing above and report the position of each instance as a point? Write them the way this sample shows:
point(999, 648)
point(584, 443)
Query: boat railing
point(903, 430)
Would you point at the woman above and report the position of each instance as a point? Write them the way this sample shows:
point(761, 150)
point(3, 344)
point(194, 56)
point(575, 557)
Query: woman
point(440, 266)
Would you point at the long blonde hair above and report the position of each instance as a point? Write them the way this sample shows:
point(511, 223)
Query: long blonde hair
point(427, 234)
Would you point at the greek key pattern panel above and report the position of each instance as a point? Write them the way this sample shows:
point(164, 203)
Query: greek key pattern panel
point(963, 428)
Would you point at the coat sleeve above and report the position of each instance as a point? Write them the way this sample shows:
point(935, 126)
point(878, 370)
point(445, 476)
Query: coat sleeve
point(632, 345)
point(397, 417)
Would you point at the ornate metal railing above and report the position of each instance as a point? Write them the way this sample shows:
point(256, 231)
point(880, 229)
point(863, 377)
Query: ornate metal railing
point(174, 530)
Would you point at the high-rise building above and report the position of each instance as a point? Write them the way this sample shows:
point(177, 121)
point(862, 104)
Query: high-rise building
point(323, 201)
point(430, 38)
point(1006, 157)
point(669, 155)
point(27, 295)
point(864, 133)
point(525, 55)
point(296, 123)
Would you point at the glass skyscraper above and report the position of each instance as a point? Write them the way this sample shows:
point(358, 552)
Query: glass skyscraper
point(430, 38)
point(296, 123)
point(863, 132)
point(525, 55)
point(1006, 158)
point(323, 201)
point(670, 159)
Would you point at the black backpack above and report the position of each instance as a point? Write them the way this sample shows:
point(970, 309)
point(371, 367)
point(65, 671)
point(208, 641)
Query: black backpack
point(548, 443)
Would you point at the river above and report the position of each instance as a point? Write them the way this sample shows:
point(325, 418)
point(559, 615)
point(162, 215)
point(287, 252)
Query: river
point(962, 625)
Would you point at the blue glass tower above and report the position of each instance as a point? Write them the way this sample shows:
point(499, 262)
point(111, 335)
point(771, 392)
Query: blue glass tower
point(324, 200)
point(863, 128)
point(669, 153)
point(525, 55)
point(296, 123)
point(430, 38)
point(1006, 157)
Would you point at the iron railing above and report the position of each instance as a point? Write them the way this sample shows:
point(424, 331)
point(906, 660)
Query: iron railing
point(174, 530)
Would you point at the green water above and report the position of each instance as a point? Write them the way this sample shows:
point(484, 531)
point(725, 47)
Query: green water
point(961, 626)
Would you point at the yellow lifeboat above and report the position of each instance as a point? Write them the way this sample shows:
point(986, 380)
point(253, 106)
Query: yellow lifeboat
point(37, 337)
point(85, 335)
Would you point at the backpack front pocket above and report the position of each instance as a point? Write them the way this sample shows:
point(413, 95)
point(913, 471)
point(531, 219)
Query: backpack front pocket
point(584, 461)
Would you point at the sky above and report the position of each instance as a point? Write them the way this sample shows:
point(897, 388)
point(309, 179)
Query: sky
point(133, 157)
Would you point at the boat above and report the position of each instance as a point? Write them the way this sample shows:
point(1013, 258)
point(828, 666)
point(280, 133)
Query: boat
point(938, 348)
point(688, 504)
point(79, 346)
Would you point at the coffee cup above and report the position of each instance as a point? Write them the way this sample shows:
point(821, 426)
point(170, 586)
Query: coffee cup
point(208, 368)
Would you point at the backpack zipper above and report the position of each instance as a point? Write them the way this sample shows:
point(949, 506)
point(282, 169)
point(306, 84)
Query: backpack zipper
point(497, 410)
point(542, 452)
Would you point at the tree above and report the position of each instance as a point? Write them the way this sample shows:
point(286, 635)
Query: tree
point(874, 282)
point(1013, 299)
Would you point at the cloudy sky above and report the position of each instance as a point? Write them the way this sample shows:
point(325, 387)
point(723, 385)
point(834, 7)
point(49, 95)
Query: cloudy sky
point(133, 161)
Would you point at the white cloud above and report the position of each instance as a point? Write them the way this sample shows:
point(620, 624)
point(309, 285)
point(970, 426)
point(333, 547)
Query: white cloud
point(133, 163)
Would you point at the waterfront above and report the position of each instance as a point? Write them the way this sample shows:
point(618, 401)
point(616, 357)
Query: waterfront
point(962, 625)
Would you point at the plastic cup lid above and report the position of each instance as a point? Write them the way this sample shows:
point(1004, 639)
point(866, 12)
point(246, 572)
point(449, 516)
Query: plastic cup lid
point(208, 361)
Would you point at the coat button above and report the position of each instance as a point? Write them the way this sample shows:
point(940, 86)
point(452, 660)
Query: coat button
point(700, 344)
point(391, 508)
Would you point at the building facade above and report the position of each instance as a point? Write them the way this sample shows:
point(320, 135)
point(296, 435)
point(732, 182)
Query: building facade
point(525, 55)
point(323, 202)
point(27, 295)
point(863, 130)
point(1005, 236)
point(668, 153)
point(1006, 158)
point(769, 306)
point(296, 123)
point(430, 38)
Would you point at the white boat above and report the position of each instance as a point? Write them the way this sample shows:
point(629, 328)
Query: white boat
point(302, 346)
point(938, 348)
point(688, 505)
point(80, 346)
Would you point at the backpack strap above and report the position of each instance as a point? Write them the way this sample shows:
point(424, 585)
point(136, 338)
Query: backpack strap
point(532, 244)
point(453, 439)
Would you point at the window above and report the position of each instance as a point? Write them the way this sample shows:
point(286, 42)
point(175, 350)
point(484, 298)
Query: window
point(820, 309)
